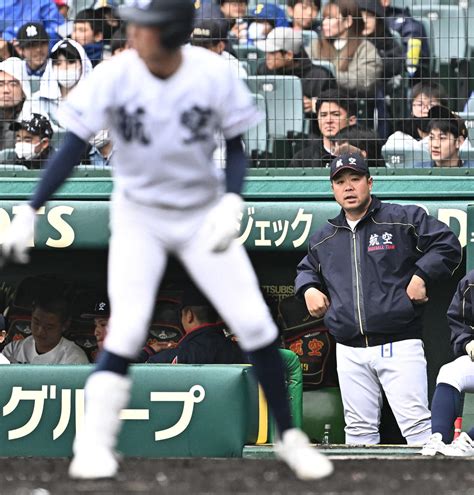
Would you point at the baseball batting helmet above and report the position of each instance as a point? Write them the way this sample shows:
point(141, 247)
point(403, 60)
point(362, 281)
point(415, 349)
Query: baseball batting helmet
point(175, 18)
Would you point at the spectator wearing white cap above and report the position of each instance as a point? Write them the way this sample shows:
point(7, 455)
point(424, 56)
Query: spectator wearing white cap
point(15, 97)
point(285, 56)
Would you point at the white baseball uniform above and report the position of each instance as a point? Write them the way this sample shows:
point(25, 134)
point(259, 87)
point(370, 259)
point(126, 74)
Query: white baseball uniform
point(165, 184)
point(24, 352)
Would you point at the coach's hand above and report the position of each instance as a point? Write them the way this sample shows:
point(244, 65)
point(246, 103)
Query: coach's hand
point(18, 237)
point(470, 349)
point(222, 222)
point(316, 302)
point(416, 290)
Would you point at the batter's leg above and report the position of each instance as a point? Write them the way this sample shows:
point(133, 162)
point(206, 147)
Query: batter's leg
point(229, 282)
point(136, 264)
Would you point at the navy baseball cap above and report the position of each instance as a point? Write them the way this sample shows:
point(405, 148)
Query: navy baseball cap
point(38, 125)
point(349, 161)
point(101, 309)
point(32, 32)
point(192, 296)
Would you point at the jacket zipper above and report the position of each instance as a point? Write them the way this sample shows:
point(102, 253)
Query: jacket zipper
point(357, 287)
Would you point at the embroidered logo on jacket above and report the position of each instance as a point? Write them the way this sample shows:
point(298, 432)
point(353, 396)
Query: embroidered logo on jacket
point(381, 242)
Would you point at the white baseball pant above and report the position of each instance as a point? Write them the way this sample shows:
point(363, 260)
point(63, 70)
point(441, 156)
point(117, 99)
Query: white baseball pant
point(142, 237)
point(399, 369)
point(459, 374)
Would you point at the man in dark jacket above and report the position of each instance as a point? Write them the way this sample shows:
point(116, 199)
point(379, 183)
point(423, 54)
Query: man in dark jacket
point(366, 272)
point(335, 110)
point(285, 56)
point(455, 378)
point(205, 340)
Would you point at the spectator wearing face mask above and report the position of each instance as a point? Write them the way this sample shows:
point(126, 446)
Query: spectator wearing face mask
point(70, 64)
point(33, 143)
point(101, 150)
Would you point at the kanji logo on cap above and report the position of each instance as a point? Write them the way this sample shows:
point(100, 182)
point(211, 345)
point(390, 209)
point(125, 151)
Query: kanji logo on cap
point(352, 161)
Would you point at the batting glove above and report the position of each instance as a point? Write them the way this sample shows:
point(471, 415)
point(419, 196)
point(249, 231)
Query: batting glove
point(222, 222)
point(470, 349)
point(18, 237)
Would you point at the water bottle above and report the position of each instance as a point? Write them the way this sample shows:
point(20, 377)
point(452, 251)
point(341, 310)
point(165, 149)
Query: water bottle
point(327, 434)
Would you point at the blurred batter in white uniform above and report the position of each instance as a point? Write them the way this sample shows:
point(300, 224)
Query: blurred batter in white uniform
point(163, 105)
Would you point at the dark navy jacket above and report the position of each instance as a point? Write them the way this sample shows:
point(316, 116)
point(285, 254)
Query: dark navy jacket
point(461, 315)
point(206, 344)
point(366, 273)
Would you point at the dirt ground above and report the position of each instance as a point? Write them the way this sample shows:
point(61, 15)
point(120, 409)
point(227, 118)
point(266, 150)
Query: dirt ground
point(420, 476)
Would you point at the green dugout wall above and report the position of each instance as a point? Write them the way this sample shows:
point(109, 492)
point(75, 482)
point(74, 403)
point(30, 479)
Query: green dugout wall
point(283, 208)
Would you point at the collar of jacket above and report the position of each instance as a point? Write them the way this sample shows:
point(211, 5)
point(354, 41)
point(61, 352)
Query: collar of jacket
point(340, 220)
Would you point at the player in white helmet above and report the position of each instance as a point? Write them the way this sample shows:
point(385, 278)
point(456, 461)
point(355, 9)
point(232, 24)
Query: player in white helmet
point(163, 104)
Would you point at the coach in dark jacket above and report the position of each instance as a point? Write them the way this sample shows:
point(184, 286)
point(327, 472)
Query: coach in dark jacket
point(206, 340)
point(366, 272)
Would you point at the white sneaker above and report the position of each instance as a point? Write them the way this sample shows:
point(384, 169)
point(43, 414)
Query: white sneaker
point(304, 460)
point(435, 445)
point(463, 446)
point(94, 463)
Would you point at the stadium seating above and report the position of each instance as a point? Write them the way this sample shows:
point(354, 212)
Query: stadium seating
point(404, 155)
point(255, 139)
point(284, 101)
point(250, 55)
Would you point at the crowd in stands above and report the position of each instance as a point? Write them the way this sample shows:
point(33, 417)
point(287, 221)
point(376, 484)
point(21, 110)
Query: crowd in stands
point(371, 57)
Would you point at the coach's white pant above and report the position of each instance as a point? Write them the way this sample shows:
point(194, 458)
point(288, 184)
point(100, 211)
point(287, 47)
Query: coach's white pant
point(400, 369)
point(459, 374)
point(142, 237)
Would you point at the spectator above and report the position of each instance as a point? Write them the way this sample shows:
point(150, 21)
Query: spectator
point(378, 33)
point(46, 344)
point(334, 112)
point(15, 96)
point(354, 139)
point(304, 14)
point(263, 18)
point(3, 335)
point(205, 341)
point(101, 150)
point(415, 42)
point(446, 134)
point(63, 7)
point(88, 32)
point(104, 11)
point(33, 143)
point(285, 56)
point(70, 64)
point(415, 129)
point(13, 14)
point(33, 46)
point(235, 12)
point(119, 42)
point(212, 35)
point(356, 61)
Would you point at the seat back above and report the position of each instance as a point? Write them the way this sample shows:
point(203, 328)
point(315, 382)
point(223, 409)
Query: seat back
point(284, 103)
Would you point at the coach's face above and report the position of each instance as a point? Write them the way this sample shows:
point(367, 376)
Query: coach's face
point(352, 191)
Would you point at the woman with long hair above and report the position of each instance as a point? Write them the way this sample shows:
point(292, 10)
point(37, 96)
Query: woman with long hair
point(356, 61)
